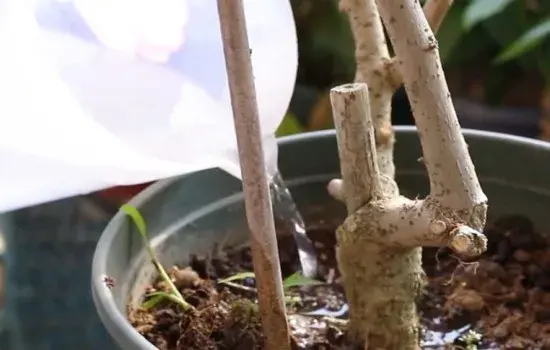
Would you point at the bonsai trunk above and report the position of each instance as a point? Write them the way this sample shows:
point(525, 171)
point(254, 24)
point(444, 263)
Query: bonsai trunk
point(379, 244)
point(381, 282)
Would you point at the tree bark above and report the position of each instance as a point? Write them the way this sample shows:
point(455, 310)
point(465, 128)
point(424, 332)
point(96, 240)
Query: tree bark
point(381, 282)
point(380, 72)
point(454, 186)
point(378, 251)
point(372, 59)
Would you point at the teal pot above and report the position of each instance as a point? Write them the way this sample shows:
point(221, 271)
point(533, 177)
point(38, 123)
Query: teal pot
point(194, 213)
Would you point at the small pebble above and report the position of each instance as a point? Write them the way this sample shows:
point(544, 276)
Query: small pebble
point(500, 332)
point(468, 299)
point(186, 278)
point(522, 255)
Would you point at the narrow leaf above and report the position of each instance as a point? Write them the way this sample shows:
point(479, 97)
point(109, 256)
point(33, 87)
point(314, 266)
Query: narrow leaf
point(238, 276)
point(297, 279)
point(289, 126)
point(480, 10)
point(451, 31)
point(154, 298)
point(526, 42)
point(137, 218)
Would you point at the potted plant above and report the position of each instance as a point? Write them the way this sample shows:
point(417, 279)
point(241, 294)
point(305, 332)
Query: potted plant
point(197, 223)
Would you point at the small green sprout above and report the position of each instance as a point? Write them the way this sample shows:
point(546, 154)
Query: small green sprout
point(156, 297)
point(299, 280)
point(237, 277)
point(294, 280)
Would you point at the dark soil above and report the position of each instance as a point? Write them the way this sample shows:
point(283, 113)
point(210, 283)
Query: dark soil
point(503, 297)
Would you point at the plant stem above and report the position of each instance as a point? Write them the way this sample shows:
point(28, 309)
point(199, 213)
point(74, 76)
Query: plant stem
point(453, 182)
point(381, 283)
point(372, 59)
point(265, 254)
point(379, 243)
point(177, 297)
point(175, 293)
point(380, 72)
point(356, 145)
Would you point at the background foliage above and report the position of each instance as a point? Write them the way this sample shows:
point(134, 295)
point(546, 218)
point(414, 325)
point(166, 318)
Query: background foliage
point(495, 52)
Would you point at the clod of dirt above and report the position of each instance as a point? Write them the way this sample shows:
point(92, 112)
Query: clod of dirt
point(185, 278)
point(504, 296)
point(465, 299)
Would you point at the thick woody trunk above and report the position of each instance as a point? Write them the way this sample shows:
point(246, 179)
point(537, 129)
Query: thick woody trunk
point(379, 251)
point(382, 282)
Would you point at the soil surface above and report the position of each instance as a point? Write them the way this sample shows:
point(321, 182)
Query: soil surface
point(499, 301)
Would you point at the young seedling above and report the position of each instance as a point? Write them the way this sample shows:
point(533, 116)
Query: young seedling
point(154, 298)
point(294, 280)
point(379, 244)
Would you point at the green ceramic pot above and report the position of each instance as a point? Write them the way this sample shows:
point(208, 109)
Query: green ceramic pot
point(190, 214)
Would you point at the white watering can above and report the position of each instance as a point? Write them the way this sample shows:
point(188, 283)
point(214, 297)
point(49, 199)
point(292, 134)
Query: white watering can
point(103, 93)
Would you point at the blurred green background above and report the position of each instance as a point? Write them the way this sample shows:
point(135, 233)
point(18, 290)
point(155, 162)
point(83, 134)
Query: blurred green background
point(496, 55)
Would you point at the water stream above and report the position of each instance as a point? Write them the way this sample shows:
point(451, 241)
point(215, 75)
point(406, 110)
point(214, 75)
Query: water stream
point(285, 210)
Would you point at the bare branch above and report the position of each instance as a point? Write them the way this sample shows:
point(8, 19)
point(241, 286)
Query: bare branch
point(405, 223)
point(453, 181)
point(372, 59)
point(376, 211)
point(380, 72)
point(356, 146)
point(263, 241)
point(368, 32)
point(435, 11)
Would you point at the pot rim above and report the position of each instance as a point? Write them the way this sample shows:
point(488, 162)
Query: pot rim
point(116, 322)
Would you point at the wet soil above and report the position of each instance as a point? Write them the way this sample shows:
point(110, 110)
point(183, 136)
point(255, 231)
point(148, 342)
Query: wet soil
point(499, 301)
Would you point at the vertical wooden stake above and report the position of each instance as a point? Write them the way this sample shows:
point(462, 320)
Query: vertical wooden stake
point(259, 212)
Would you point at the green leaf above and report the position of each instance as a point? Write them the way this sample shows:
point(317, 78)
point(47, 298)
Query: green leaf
point(137, 218)
point(526, 42)
point(238, 276)
point(289, 126)
point(451, 31)
point(154, 298)
point(297, 279)
point(480, 10)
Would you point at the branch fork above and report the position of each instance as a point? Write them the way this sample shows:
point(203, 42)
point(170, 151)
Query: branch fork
point(375, 66)
point(377, 212)
point(446, 217)
point(400, 222)
point(379, 244)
